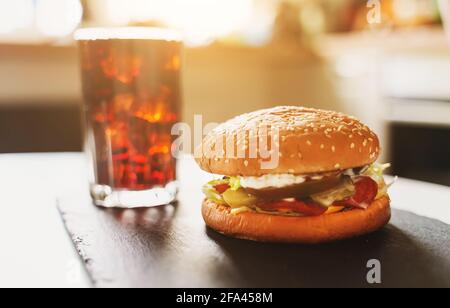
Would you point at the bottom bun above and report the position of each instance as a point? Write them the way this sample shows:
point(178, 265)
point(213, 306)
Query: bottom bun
point(307, 230)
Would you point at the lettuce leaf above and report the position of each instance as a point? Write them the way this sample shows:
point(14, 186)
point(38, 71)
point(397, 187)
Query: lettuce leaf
point(211, 193)
point(218, 182)
point(235, 183)
point(375, 171)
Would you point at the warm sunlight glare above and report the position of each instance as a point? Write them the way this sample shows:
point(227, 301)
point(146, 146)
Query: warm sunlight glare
point(15, 15)
point(58, 17)
point(199, 20)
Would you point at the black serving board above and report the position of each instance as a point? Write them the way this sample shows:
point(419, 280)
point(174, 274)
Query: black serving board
point(171, 247)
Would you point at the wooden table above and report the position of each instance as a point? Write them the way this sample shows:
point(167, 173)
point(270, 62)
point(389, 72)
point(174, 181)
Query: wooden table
point(36, 250)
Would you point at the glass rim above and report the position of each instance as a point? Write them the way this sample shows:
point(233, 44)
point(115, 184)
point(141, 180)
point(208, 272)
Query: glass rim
point(127, 33)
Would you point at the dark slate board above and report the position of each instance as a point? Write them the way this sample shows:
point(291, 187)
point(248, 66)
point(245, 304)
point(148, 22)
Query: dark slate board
point(171, 247)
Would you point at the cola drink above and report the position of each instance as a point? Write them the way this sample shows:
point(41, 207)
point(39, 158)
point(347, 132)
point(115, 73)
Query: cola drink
point(131, 86)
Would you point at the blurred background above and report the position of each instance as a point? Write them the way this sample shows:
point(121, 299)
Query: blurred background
point(386, 62)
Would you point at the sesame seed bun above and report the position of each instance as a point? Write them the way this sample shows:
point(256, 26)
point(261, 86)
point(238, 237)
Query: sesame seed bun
point(310, 141)
point(306, 230)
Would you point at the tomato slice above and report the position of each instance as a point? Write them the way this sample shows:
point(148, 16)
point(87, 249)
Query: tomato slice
point(308, 208)
point(221, 188)
point(366, 190)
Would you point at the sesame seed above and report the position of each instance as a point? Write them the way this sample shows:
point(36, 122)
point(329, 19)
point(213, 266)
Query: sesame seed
point(306, 130)
point(300, 155)
point(365, 142)
point(291, 170)
point(337, 166)
point(350, 136)
point(352, 146)
point(370, 139)
point(246, 163)
point(292, 156)
point(280, 154)
point(227, 161)
point(315, 129)
point(308, 143)
point(283, 138)
point(322, 146)
point(328, 136)
point(333, 149)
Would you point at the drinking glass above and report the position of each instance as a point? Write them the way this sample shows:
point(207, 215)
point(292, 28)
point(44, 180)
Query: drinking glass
point(131, 87)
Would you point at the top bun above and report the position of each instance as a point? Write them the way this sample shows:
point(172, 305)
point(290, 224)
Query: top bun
point(310, 141)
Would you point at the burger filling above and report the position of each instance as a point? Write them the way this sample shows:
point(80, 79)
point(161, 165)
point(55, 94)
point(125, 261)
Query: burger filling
point(300, 195)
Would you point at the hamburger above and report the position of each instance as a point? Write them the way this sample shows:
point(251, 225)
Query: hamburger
point(294, 174)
